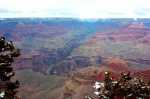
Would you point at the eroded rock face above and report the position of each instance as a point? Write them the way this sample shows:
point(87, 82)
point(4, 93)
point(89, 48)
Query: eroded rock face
point(35, 85)
point(129, 42)
point(44, 43)
point(47, 45)
point(73, 63)
point(113, 65)
point(145, 75)
point(81, 84)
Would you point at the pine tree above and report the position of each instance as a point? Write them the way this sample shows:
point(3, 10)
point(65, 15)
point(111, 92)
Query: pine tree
point(125, 87)
point(7, 53)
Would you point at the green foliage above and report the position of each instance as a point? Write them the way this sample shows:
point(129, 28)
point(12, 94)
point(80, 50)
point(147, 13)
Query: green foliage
point(7, 53)
point(125, 87)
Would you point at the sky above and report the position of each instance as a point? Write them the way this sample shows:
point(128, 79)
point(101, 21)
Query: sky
point(75, 8)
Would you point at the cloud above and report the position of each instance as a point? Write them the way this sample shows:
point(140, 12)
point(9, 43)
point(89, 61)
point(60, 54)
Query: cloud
point(6, 11)
point(142, 11)
point(74, 8)
point(3, 10)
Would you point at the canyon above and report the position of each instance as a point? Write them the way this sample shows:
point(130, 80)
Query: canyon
point(129, 42)
point(63, 57)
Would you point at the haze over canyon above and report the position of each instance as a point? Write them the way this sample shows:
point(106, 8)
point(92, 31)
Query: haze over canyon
point(63, 57)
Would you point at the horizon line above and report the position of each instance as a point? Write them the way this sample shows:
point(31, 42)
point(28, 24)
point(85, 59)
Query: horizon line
point(79, 17)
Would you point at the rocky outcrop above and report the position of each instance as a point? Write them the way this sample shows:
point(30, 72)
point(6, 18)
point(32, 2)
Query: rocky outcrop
point(73, 63)
point(129, 42)
point(137, 25)
point(61, 47)
point(145, 75)
point(142, 61)
point(145, 40)
point(47, 45)
point(91, 74)
point(80, 85)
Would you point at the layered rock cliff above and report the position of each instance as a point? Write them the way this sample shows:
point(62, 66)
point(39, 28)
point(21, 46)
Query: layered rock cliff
point(81, 83)
point(44, 43)
point(59, 46)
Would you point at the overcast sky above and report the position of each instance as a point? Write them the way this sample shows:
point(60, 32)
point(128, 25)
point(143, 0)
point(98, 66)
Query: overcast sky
point(75, 8)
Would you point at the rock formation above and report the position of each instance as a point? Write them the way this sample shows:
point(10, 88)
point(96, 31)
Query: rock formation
point(81, 83)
